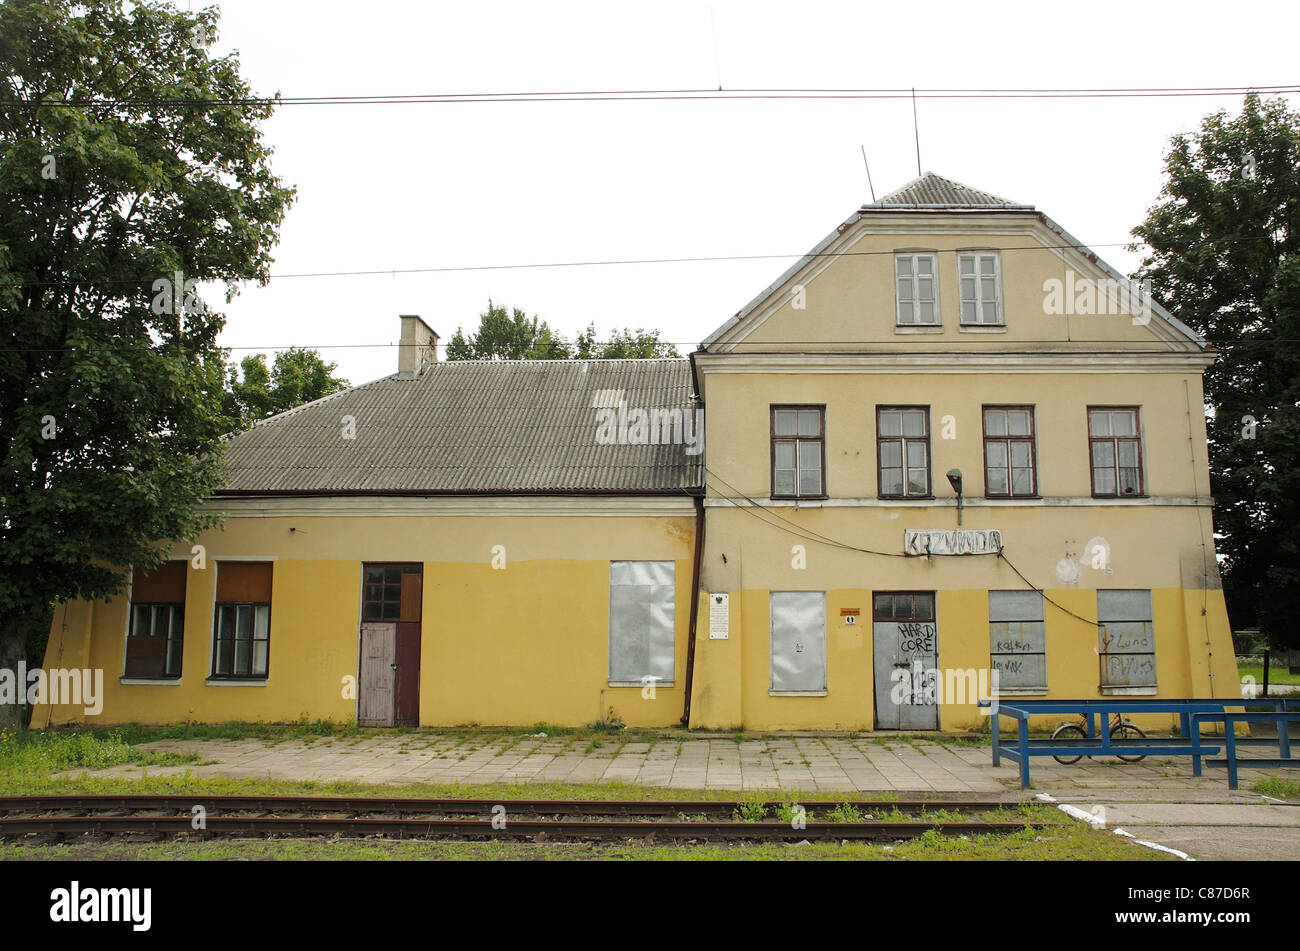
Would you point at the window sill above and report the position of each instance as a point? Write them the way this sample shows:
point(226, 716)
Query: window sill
point(799, 498)
point(796, 693)
point(1121, 497)
point(1005, 694)
point(236, 682)
point(160, 681)
point(905, 498)
point(1129, 691)
point(642, 683)
point(918, 328)
point(1010, 498)
point(982, 328)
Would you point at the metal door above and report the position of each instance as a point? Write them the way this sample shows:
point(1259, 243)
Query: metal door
point(378, 697)
point(906, 639)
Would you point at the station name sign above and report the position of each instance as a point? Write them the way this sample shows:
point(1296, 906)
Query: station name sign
point(919, 541)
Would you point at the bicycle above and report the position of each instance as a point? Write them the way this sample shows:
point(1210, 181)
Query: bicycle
point(1119, 728)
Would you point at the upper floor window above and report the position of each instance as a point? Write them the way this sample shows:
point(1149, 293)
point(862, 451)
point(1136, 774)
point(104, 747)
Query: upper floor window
point(979, 283)
point(798, 451)
point(918, 290)
point(1009, 464)
point(903, 449)
point(154, 640)
point(1115, 447)
point(242, 630)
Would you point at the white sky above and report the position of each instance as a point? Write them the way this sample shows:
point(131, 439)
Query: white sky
point(450, 185)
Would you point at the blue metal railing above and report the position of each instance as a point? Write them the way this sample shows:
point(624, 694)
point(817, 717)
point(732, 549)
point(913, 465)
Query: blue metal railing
point(1284, 759)
point(1096, 714)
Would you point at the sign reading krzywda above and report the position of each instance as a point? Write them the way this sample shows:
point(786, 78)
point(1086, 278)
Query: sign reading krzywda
point(923, 541)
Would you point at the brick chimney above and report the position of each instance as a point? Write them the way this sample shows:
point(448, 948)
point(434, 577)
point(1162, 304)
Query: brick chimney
point(418, 346)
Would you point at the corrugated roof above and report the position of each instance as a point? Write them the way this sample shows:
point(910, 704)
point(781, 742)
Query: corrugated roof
point(935, 191)
point(473, 427)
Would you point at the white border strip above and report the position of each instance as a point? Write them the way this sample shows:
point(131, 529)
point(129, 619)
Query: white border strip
point(1074, 812)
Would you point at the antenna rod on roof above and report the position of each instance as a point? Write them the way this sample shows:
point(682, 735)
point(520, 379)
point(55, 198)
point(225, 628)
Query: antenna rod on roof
point(917, 133)
point(864, 162)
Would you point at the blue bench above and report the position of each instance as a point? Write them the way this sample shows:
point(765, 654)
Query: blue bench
point(1096, 714)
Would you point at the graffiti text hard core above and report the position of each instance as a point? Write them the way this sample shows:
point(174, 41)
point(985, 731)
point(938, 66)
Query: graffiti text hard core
point(916, 638)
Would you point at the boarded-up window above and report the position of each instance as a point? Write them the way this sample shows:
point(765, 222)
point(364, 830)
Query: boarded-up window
point(242, 630)
point(1126, 638)
point(154, 639)
point(642, 608)
point(1017, 640)
point(798, 641)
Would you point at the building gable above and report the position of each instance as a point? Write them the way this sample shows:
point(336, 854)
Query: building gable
point(1050, 290)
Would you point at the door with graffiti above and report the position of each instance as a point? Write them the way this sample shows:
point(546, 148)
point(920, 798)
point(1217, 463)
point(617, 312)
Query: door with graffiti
point(906, 638)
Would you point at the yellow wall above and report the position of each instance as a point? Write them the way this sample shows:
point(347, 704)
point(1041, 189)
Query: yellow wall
point(809, 348)
point(510, 646)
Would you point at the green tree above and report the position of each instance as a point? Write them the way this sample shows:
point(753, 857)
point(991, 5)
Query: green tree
point(514, 336)
point(1224, 251)
point(297, 376)
point(503, 335)
point(627, 344)
point(119, 196)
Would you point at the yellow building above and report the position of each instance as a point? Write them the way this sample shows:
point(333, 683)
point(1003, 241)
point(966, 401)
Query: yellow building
point(949, 449)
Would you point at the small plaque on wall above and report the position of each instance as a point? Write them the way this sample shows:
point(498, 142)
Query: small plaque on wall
point(719, 616)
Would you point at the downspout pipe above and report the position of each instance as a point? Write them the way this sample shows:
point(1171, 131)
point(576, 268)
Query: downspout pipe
point(695, 609)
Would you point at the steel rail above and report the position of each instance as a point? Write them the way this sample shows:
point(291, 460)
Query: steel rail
point(422, 806)
point(484, 828)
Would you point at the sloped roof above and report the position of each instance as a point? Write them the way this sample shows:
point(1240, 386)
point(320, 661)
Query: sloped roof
point(472, 427)
point(935, 191)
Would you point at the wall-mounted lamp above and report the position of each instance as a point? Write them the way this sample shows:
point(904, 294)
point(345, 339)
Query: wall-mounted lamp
point(954, 479)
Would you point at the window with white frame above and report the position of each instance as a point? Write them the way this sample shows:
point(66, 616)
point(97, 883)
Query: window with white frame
point(1126, 639)
point(642, 609)
point(1018, 640)
point(979, 288)
point(917, 290)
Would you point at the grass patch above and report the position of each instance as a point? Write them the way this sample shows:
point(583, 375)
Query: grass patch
point(753, 808)
point(1277, 674)
point(1279, 787)
point(35, 754)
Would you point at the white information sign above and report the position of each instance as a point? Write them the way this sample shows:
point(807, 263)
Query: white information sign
point(719, 616)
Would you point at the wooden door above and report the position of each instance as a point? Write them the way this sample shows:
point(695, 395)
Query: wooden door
point(378, 696)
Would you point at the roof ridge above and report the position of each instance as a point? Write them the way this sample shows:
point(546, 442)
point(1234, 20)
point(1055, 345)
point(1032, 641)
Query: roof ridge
point(973, 198)
point(568, 361)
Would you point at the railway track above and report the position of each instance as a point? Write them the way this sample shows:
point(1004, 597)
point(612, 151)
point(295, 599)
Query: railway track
point(482, 819)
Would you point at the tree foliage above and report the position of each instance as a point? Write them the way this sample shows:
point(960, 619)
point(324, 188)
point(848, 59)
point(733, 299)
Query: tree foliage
point(297, 376)
point(1224, 252)
point(117, 202)
point(515, 336)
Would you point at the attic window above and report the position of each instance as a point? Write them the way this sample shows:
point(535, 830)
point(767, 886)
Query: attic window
point(978, 282)
point(917, 284)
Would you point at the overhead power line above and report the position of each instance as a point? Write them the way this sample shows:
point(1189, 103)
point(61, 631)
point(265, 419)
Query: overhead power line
point(614, 262)
point(665, 95)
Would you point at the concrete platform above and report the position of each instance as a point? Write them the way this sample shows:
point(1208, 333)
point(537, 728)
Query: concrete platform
point(1157, 799)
